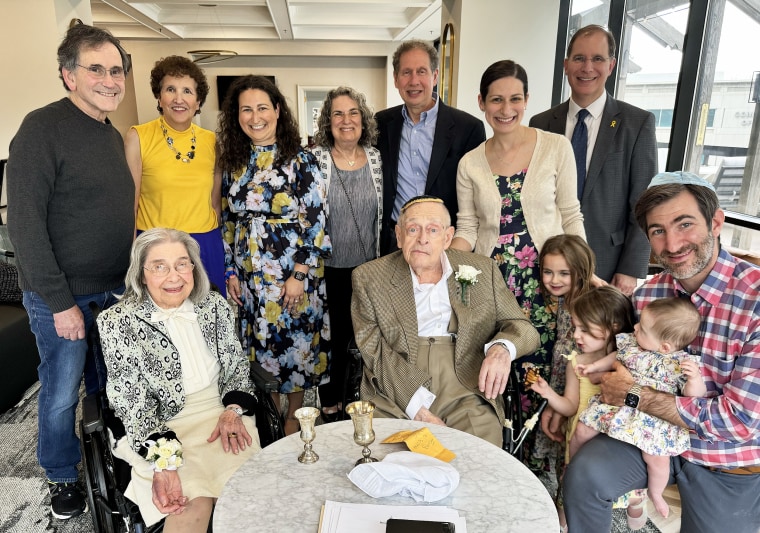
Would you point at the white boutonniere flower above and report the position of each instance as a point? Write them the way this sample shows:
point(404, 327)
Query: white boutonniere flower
point(164, 454)
point(466, 275)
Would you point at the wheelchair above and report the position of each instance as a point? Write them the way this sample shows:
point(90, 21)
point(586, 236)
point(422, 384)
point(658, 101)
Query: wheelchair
point(107, 477)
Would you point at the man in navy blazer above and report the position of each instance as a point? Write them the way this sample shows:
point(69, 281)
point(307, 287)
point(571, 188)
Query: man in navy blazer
point(621, 157)
point(421, 141)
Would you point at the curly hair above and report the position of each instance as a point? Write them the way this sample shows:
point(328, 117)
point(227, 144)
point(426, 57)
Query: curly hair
point(324, 135)
point(234, 146)
point(178, 66)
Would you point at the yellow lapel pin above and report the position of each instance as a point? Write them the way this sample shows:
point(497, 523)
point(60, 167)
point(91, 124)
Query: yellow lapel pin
point(613, 123)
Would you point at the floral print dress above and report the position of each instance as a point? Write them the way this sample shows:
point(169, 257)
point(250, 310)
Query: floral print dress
point(272, 218)
point(548, 459)
point(517, 257)
point(650, 434)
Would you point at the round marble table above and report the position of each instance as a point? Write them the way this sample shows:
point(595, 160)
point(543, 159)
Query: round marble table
point(273, 492)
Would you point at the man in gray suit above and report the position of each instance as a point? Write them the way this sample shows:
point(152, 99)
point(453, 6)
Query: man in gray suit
point(421, 141)
point(620, 157)
point(435, 348)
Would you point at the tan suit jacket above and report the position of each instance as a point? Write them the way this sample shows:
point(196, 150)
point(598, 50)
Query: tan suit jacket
point(385, 325)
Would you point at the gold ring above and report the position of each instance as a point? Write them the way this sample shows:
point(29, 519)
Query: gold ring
point(231, 435)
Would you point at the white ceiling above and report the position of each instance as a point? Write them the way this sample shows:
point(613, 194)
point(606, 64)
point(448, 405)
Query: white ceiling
point(335, 20)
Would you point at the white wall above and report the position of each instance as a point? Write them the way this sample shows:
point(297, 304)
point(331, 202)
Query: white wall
point(360, 65)
point(491, 30)
point(29, 37)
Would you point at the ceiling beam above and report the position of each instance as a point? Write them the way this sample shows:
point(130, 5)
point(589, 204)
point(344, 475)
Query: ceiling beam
point(433, 10)
point(281, 18)
point(142, 18)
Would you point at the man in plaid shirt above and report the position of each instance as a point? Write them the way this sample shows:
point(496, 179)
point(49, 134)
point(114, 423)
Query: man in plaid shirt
point(719, 477)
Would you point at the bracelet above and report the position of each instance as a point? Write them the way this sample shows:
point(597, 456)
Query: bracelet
point(164, 454)
point(229, 274)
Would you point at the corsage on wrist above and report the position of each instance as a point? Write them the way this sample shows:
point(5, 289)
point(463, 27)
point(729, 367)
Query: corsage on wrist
point(230, 274)
point(164, 454)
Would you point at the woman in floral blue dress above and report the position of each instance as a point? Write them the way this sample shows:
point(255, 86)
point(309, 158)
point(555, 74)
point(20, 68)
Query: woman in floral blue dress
point(514, 191)
point(273, 218)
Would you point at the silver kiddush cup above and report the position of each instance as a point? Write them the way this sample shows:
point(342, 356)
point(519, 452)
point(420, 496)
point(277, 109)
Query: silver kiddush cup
point(361, 415)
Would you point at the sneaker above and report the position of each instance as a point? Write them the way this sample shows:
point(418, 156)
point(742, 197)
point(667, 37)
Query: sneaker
point(66, 500)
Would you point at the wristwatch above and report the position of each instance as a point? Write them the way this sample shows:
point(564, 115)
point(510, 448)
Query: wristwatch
point(300, 276)
point(234, 408)
point(633, 396)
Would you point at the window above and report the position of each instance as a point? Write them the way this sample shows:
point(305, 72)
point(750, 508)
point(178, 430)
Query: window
point(699, 89)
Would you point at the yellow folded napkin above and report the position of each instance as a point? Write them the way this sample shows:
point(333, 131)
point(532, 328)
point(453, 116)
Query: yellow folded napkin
point(422, 441)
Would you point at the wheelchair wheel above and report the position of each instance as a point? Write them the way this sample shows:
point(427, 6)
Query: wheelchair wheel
point(96, 478)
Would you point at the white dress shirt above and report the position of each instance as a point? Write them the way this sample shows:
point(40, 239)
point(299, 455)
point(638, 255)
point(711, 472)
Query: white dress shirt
point(593, 120)
point(433, 318)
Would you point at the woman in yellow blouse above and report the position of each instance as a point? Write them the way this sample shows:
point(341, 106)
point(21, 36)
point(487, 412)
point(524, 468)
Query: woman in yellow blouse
point(172, 162)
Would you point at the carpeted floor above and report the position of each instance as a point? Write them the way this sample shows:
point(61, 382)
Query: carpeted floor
point(24, 501)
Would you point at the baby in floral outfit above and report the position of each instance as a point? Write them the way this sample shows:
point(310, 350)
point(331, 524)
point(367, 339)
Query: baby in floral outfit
point(655, 356)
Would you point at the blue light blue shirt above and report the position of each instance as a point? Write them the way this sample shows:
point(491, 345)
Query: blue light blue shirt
point(414, 156)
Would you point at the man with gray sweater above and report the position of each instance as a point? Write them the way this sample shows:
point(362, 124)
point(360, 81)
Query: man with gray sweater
point(71, 221)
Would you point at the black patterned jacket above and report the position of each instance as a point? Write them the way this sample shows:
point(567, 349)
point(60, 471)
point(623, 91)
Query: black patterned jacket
point(144, 384)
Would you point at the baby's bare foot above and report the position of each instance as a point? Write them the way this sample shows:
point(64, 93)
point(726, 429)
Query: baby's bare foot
point(660, 504)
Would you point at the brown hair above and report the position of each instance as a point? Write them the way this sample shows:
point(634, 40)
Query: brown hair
point(676, 321)
point(590, 30)
point(707, 201)
point(502, 69)
point(415, 44)
point(324, 135)
point(83, 37)
point(234, 146)
point(580, 260)
point(178, 66)
point(607, 308)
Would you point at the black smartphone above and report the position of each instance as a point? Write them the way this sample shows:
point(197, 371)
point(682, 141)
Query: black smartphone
point(399, 525)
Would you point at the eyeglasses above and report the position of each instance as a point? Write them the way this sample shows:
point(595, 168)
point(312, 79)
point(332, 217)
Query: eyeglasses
point(596, 60)
point(353, 113)
point(161, 270)
point(99, 71)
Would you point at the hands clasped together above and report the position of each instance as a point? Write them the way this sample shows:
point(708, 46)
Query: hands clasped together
point(167, 487)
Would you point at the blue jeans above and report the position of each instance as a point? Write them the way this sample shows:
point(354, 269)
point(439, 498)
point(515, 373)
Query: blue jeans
point(62, 363)
point(605, 468)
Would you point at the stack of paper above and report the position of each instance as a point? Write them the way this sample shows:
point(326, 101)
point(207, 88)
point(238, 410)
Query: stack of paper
point(340, 517)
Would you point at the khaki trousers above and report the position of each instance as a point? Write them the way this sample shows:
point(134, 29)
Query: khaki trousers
point(461, 408)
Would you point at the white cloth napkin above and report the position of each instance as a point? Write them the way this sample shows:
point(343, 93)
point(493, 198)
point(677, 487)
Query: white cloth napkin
point(409, 474)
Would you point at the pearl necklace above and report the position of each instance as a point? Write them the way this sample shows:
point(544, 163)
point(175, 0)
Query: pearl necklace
point(169, 141)
point(351, 162)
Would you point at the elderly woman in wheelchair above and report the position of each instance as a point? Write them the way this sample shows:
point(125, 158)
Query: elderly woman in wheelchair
point(179, 382)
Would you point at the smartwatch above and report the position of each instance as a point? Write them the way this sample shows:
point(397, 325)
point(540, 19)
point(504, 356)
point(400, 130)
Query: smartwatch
point(235, 408)
point(633, 396)
point(300, 276)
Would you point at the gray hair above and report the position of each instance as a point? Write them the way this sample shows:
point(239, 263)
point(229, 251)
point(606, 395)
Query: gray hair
point(83, 37)
point(324, 135)
point(135, 288)
point(415, 44)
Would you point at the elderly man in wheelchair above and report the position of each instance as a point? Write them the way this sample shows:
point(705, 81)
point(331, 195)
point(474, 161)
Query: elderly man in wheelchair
point(179, 383)
point(437, 343)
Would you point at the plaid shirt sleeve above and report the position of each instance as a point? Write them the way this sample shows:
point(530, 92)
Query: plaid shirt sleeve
point(725, 428)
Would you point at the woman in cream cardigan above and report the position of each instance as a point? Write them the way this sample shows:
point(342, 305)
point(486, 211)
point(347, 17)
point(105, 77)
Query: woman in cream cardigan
point(514, 191)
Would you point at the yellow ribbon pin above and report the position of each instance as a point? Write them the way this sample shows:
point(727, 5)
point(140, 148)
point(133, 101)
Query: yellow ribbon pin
point(612, 124)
